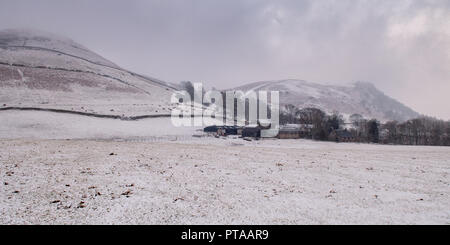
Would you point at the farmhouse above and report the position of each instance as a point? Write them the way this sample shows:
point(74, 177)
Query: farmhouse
point(341, 135)
point(290, 131)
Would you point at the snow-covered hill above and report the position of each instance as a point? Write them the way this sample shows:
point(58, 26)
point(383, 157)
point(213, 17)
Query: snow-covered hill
point(361, 98)
point(39, 69)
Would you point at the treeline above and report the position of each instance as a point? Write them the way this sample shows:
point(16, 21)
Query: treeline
point(418, 131)
point(322, 126)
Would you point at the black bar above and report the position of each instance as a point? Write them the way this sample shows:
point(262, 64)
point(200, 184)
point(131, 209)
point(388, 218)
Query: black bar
point(226, 234)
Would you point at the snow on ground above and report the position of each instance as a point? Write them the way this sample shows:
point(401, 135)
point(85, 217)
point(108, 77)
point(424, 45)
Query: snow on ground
point(50, 41)
point(50, 125)
point(47, 180)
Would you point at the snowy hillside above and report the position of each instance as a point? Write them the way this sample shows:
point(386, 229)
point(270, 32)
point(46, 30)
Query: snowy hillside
point(39, 69)
point(362, 98)
point(32, 39)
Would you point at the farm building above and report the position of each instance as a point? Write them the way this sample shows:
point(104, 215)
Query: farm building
point(222, 130)
point(295, 131)
point(211, 129)
point(231, 130)
point(306, 130)
point(341, 135)
point(291, 131)
point(251, 131)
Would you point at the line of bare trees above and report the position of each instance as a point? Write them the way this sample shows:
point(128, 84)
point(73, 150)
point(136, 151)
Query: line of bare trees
point(419, 131)
point(321, 124)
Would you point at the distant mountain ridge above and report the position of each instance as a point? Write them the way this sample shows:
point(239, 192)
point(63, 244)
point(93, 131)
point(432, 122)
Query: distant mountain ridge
point(360, 98)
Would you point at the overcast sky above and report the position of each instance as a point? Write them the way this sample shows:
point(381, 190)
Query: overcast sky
point(401, 46)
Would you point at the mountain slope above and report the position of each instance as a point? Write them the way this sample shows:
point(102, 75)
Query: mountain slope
point(362, 98)
point(43, 70)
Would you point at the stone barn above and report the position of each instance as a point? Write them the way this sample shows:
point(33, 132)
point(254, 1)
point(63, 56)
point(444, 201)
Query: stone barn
point(251, 131)
point(211, 129)
point(289, 132)
point(341, 135)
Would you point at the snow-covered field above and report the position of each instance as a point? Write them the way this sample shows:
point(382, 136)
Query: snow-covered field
point(50, 125)
point(214, 181)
